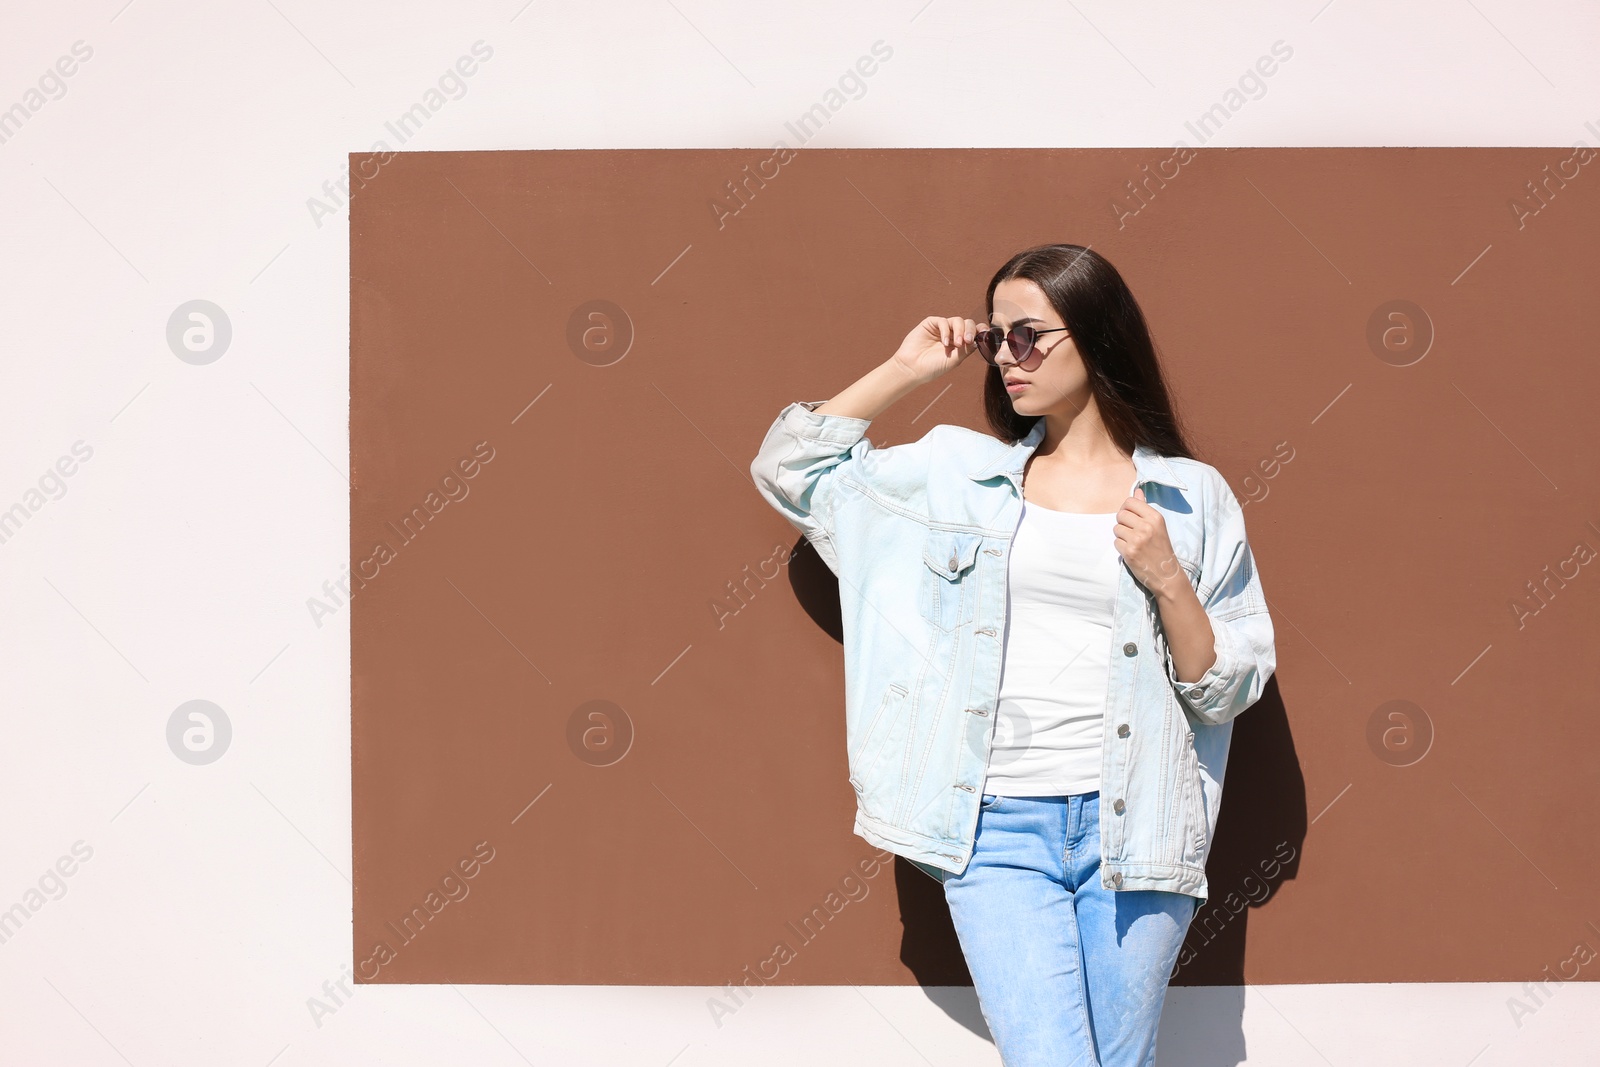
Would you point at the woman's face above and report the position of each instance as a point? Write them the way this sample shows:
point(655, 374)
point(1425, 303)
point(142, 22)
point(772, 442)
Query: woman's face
point(1059, 383)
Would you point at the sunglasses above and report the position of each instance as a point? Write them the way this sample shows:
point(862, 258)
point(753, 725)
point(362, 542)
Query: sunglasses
point(1020, 338)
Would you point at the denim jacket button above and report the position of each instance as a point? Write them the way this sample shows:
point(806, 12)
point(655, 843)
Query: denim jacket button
point(1122, 730)
point(1198, 692)
point(954, 563)
point(1116, 879)
point(1118, 806)
point(1130, 649)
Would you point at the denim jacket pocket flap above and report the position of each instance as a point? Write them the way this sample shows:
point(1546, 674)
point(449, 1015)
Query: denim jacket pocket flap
point(949, 553)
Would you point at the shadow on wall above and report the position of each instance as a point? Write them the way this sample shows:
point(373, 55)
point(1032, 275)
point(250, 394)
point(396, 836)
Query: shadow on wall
point(1260, 833)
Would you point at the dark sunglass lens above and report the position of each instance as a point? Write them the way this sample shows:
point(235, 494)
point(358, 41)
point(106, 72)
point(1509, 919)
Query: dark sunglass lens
point(1022, 339)
point(988, 342)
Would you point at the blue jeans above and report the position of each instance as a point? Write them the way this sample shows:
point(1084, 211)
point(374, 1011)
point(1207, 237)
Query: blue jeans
point(1066, 972)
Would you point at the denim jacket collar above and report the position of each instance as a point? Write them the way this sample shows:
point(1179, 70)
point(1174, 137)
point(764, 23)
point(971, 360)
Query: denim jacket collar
point(1150, 465)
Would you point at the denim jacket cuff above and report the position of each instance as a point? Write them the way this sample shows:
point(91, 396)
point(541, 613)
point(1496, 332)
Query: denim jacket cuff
point(1208, 692)
point(841, 430)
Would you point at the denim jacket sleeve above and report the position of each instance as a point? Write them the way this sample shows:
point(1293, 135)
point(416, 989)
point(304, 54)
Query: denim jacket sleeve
point(798, 465)
point(1230, 591)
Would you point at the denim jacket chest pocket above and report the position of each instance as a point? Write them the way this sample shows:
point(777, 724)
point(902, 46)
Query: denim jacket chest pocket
point(949, 580)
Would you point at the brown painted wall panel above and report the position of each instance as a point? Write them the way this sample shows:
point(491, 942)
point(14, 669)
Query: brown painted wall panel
point(586, 560)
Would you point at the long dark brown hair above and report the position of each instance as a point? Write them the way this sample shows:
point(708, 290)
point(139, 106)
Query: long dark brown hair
point(1105, 322)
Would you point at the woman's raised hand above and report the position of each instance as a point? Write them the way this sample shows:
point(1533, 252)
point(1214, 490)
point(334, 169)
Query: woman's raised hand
point(936, 346)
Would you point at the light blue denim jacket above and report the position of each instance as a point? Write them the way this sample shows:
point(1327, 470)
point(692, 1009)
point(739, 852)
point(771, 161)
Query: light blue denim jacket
point(919, 536)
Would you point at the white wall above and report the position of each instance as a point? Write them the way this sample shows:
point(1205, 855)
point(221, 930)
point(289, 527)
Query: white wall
point(178, 164)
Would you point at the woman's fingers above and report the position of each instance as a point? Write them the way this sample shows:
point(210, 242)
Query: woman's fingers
point(954, 332)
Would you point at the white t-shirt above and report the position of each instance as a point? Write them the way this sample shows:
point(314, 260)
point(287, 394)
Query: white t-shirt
point(1062, 590)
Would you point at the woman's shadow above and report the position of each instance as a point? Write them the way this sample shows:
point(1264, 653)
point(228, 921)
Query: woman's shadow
point(1260, 832)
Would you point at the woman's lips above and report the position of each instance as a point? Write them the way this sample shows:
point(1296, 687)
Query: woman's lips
point(1016, 387)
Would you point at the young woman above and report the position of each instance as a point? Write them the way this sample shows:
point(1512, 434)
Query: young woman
point(1131, 630)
